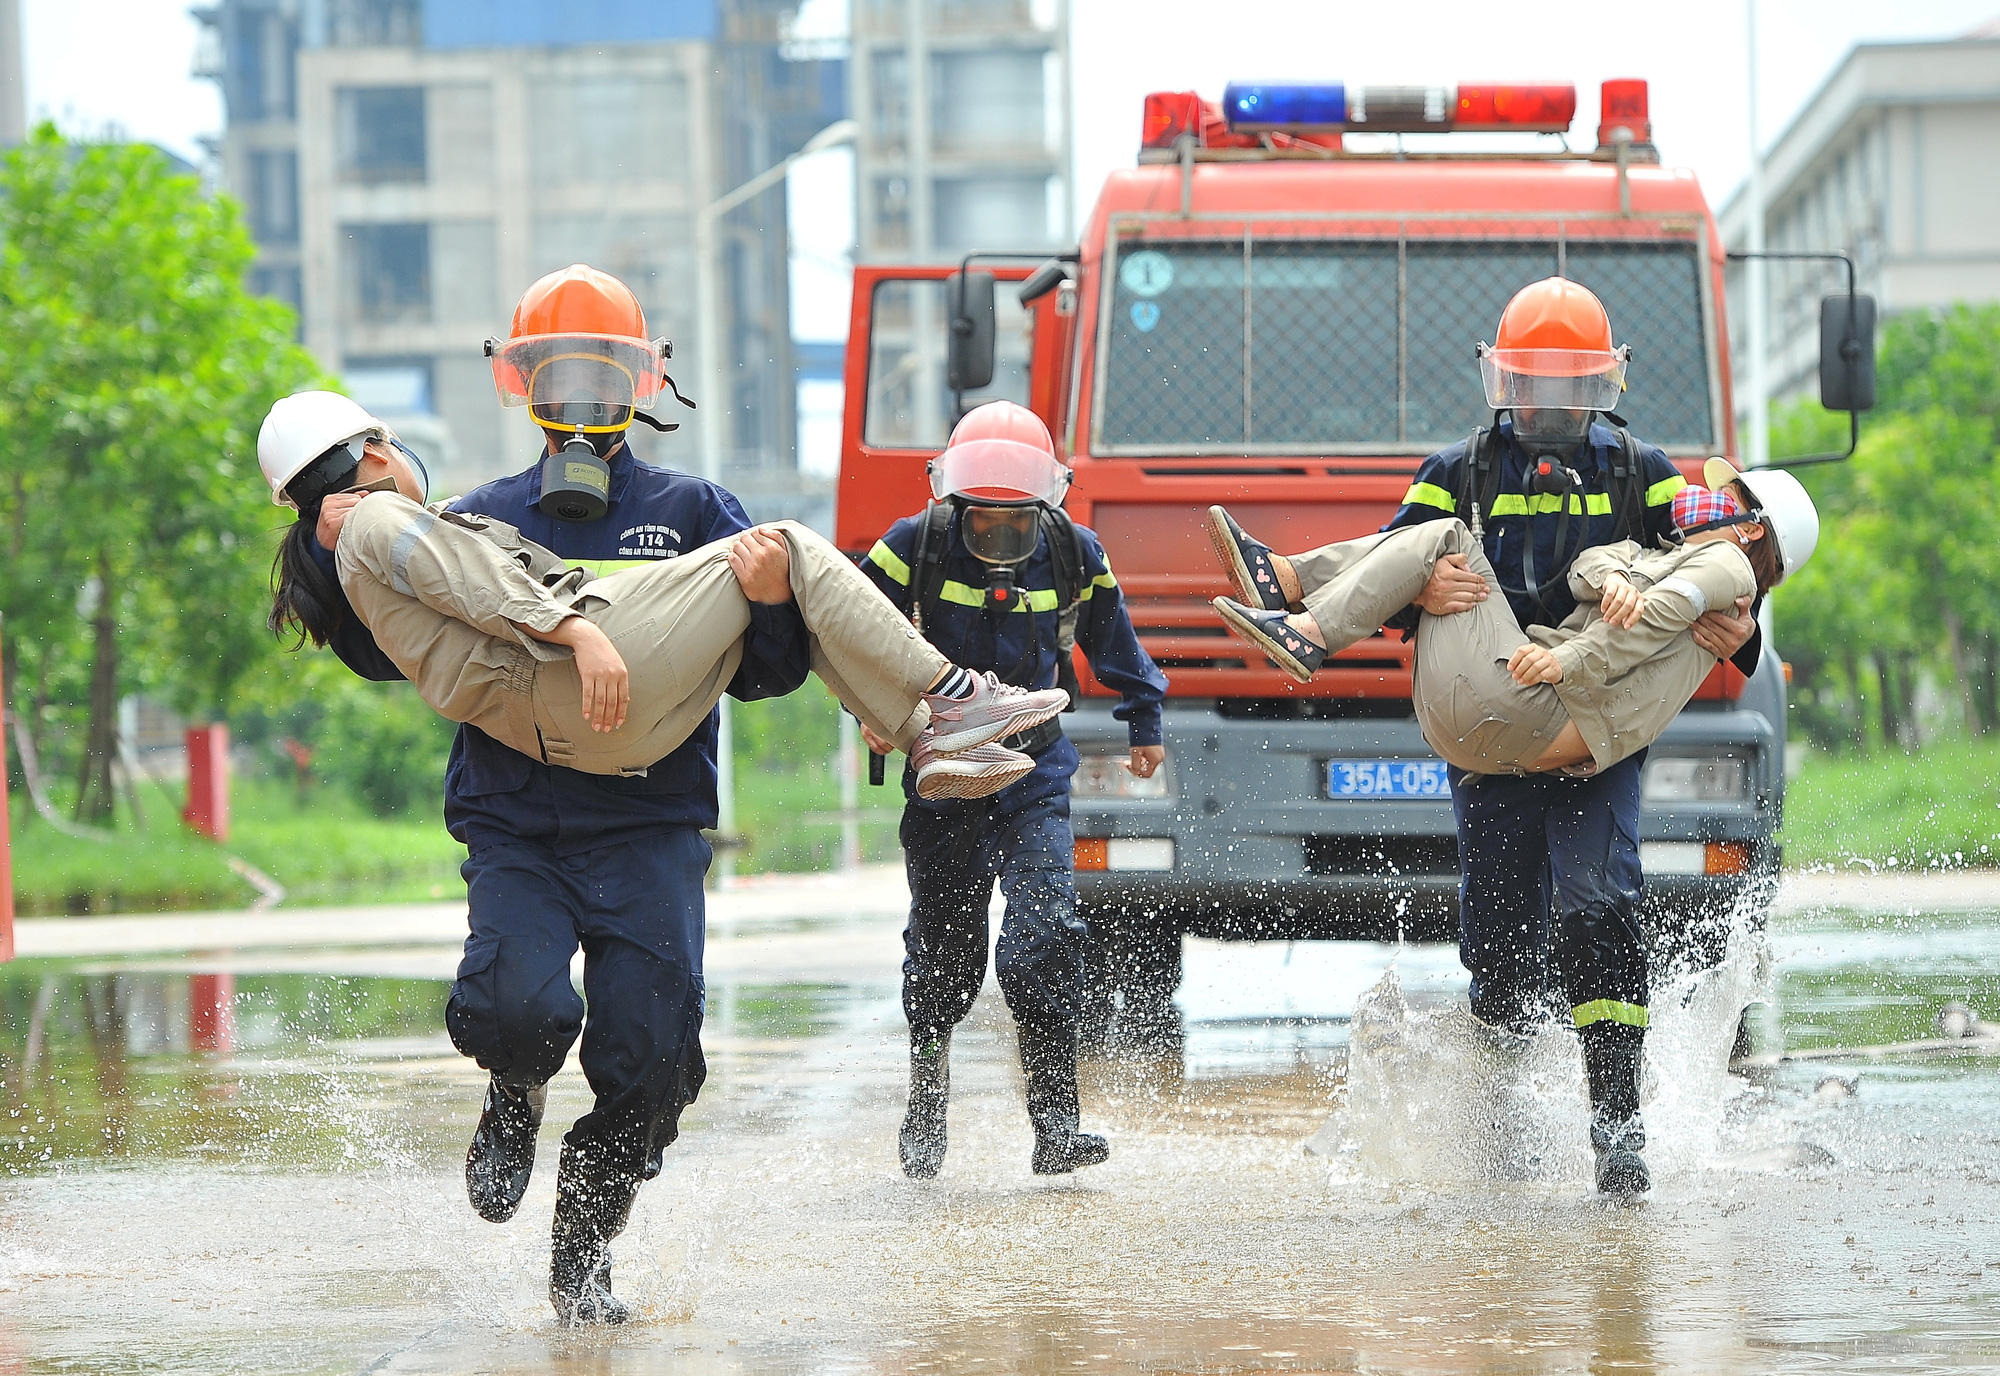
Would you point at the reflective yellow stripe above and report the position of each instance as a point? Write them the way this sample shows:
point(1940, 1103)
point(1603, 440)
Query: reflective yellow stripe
point(884, 558)
point(1662, 492)
point(1546, 503)
point(1610, 1010)
point(965, 595)
point(600, 567)
point(1430, 494)
point(1103, 580)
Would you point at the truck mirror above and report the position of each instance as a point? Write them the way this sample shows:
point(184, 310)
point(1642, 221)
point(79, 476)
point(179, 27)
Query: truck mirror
point(1044, 280)
point(969, 354)
point(1847, 352)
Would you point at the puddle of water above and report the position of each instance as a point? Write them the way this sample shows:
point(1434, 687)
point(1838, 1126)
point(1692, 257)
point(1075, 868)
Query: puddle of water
point(288, 1196)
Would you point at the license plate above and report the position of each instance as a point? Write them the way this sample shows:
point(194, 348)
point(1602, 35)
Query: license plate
point(1386, 779)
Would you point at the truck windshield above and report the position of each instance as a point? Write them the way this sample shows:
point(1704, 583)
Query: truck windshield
point(1299, 346)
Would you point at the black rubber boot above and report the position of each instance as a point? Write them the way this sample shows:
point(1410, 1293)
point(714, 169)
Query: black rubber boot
point(1611, 1054)
point(502, 1154)
point(592, 1205)
point(1049, 1061)
point(922, 1142)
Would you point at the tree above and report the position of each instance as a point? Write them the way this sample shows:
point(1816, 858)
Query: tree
point(138, 369)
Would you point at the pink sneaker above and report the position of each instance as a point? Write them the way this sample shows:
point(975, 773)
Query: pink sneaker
point(994, 710)
point(977, 773)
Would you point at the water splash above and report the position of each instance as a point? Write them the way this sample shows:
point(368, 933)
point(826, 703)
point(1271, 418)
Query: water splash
point(1434, 1096)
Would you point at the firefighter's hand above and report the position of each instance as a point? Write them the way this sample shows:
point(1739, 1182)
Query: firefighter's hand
point(333, 515)
point(762, 562)
point(1722, 634)
point(1453, 587)
point(1532, 664)
point(875, 742)
point(1146, 760)
point(1621, 603)
point(607, 688)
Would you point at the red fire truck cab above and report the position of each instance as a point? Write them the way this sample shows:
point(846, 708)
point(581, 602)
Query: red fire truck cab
point(1263, 315)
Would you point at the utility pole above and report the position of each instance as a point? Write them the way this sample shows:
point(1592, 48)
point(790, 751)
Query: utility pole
point(13, 77)
point(1757, 445)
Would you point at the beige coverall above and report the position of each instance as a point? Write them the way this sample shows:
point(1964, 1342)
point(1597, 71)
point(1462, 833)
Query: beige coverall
point(1620, 687)
point(445, 596)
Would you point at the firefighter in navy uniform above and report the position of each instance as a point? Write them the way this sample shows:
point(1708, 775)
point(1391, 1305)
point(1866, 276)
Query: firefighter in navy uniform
point(558, 858)
point(1550, 883)
point(1000, 579)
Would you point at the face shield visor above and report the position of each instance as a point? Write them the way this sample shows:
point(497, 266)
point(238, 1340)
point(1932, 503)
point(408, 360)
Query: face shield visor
point(1520, 380)
point(999, 473)
point(572, 382)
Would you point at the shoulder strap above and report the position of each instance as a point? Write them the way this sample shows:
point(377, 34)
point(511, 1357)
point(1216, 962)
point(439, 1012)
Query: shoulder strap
point(1628, 489)
point(1480, 479)
point(1066, 559)
point(927, 562)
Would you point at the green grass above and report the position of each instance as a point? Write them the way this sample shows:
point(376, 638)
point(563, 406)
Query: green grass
point(1930, 808)
point(328, 849)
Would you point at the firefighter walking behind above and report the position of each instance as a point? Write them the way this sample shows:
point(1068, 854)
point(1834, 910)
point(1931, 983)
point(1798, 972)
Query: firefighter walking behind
point(1000, 579)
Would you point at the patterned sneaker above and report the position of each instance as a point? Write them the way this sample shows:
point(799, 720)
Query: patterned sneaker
point(1284, 646)
point(994, 710)
point(1247, 561)
point(977, 773)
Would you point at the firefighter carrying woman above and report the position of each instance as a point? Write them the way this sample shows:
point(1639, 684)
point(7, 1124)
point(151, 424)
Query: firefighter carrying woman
point(1623, 586)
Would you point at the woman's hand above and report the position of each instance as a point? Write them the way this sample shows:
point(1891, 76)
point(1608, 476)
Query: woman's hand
point(333, 515)
point(1532, 664)
point(875, 742)
point(1621, 603)
point(607, 687)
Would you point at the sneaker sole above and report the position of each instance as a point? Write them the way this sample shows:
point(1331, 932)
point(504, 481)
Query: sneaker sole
point(1027, 719)
point(983, 783)
point(1231, 555)
point(1250, 633)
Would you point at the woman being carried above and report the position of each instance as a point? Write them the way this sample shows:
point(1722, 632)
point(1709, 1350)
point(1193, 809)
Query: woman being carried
point(1492, 699)
point(608, 675)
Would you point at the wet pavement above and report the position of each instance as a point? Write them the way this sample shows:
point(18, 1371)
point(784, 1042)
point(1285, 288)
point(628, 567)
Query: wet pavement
point(250, 1161)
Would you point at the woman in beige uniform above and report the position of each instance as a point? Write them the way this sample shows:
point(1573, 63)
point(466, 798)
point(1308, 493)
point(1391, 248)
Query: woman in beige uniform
point(1493, 699)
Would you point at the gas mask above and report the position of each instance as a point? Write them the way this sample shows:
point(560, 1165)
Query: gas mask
point(1002, 538)
point(1545, 430)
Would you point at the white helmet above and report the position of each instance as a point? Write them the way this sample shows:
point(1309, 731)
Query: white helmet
point(1787, 509)
point(303, 427)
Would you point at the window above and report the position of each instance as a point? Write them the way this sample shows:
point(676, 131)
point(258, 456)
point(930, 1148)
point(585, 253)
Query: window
point(1286, 345)
point(909, 405)
point(259, 83)
point(381, 133)
point(375, 23)
point(389, 272)
point(994, 210)
point(987, 101)
point(274, 197)
point(390, 386)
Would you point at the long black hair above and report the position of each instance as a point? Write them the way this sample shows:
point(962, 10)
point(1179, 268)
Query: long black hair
point(305, 602)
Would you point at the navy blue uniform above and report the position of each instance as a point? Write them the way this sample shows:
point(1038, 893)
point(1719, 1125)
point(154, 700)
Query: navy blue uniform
point(955, 850)
point(1550, 881)
point(557, 858)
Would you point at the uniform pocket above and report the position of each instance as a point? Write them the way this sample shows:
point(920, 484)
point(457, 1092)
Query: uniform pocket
point(1472, 723)
point(469, 1015)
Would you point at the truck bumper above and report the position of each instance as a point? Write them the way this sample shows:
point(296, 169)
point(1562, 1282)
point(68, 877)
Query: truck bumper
point(1248, 843)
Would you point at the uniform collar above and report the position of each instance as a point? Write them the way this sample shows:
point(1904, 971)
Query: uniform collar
point(621, 463)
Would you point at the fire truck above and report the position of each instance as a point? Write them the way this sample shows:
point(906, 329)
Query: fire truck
point(1266, 314)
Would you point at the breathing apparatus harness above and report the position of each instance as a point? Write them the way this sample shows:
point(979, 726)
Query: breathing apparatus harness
point(1479, 489)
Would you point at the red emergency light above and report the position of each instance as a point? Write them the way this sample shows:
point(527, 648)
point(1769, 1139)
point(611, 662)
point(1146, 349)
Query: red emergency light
point(1334, 105)
point(1171, 115)
point(1622, 104)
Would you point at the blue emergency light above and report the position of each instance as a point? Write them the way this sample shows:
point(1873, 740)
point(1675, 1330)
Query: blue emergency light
point(1285, 105)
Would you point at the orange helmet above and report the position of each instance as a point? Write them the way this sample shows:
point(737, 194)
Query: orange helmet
point(579, 357)
point(1553, 349)
point(1000, 454)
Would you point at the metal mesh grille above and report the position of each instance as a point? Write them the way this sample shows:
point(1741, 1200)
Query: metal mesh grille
point(1369, 341)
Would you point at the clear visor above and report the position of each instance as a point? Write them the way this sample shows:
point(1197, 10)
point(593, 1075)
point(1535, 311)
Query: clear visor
point(1555, 379)
point(578, 381)
point(999, 473)
point(1002, 534)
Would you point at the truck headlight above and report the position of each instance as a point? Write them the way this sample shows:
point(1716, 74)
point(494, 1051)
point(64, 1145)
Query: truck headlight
point(1102, 774)
point(1695, 779)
